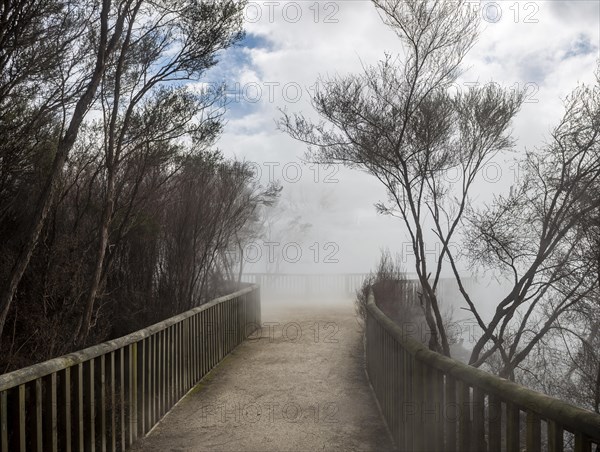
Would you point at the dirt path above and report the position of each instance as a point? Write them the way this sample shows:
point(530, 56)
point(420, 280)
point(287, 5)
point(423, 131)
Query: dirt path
point(301, 385)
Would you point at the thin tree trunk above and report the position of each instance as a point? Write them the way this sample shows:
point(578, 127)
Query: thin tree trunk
point(241, 271)
point(64, 147)
point(85, 321)
point(112, 164)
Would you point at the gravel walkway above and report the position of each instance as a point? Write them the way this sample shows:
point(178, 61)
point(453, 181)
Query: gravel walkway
point(300, 385)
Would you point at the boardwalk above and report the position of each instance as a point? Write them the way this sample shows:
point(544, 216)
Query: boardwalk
point(300, 386)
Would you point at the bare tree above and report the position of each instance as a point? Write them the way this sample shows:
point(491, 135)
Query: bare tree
point(142, 204)
point(214, 202)
point(77, 84)
point(162, 43)
point(400, 122)
point(542, 235)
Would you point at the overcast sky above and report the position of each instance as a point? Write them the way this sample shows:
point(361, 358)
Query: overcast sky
point(547, 47)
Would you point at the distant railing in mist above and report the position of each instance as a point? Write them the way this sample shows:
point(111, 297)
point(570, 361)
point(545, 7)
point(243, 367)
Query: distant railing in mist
point(431, 402)
point(307, 284)
point(346, 284)
point(107, 396)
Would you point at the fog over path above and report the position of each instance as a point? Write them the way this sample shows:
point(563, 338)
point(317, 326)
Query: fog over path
point(298, 385)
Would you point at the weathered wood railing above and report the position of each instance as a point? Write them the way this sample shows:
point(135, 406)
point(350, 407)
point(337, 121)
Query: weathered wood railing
point(346, 284)
point(106, 396)
point(307, 284)
point(431, 402)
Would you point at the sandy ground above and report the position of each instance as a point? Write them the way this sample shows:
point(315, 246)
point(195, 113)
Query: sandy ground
point(299, 385)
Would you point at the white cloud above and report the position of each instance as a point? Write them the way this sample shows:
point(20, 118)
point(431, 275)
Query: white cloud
point(548, 46)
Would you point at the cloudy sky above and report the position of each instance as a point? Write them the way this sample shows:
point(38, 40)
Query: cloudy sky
point(327, 214)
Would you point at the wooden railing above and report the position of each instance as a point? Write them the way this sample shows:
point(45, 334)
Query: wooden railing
point(307, 284)
point(345, 284)
point(431, 402)
point(107, 396)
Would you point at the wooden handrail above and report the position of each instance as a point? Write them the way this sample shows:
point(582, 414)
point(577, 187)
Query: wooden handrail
point(439, 376)
point(27, 374)
point(108, 395)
